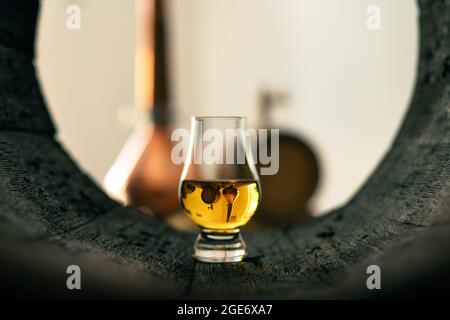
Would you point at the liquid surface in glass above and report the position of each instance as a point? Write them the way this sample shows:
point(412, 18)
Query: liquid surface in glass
point(220, 205)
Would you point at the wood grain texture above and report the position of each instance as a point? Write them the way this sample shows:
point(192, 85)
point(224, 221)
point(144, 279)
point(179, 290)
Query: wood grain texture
point(21, 104)
point(52, 214)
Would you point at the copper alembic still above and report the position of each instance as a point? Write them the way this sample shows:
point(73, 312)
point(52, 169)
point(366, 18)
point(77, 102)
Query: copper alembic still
point(143, 175)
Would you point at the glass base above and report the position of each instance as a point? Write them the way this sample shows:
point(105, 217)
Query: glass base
point(219, 247)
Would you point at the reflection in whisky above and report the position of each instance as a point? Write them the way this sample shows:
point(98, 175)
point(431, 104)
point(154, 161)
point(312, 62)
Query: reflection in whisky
point(220, 205)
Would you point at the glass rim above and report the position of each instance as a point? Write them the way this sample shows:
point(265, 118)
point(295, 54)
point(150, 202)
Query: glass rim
point(218, 117)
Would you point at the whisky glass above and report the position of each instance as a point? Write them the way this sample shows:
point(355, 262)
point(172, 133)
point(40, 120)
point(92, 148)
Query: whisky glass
point(219, 186)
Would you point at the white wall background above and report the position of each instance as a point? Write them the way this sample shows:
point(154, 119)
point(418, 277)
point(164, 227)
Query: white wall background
point(349, 87)
point(87, 75)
